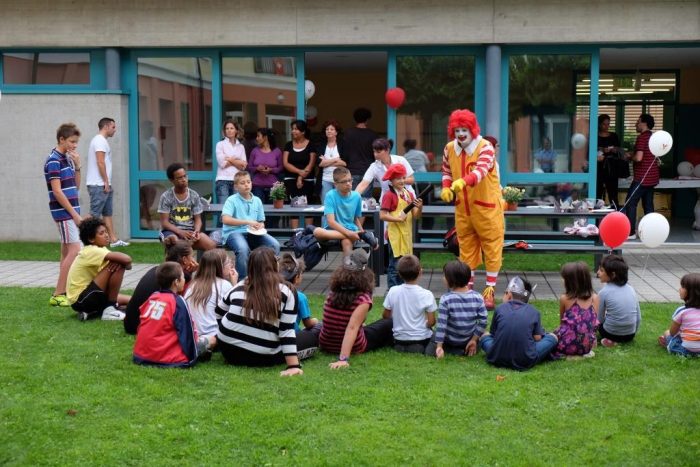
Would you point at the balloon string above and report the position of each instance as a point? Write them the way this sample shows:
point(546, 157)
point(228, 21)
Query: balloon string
point(644, 269)
point(629, 197)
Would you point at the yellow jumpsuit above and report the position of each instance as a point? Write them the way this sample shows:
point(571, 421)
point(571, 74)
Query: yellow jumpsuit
point(400, 234)
point(478, 211)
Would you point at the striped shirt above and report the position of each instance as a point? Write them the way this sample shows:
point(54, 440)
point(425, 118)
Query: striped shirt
point(336, 320)
point(460, 316)
point(689, 319)
point(58, 166)
point(258, 337)
point(648, 162)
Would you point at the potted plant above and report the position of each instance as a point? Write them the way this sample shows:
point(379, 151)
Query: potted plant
point(277, 194)
point(512, 197)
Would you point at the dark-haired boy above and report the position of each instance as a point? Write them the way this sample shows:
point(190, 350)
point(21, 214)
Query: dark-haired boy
point(96, 275)
point(517, 339)
point(180, 210)
point(411, 307)
point(166, 335)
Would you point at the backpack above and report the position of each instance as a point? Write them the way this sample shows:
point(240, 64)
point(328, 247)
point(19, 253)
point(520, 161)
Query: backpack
point(303, 243)
point(451, 242)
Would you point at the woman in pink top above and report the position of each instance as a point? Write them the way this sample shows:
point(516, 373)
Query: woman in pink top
point(230, 158)
point(265, 163)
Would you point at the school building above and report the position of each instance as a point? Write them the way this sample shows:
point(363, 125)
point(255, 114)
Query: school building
point(170, 72)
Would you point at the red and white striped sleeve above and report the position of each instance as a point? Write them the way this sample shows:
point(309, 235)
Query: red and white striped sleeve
point(446, 171)
point(484, 162)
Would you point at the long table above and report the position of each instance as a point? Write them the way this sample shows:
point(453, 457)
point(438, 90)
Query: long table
point(676, 184)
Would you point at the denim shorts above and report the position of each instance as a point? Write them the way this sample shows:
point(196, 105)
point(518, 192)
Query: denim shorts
point(100, 202)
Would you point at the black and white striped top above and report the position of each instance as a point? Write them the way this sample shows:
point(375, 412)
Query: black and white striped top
point(260, 338)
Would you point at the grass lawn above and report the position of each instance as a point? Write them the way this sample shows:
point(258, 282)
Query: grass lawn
point(152, 252)
point(70, 395)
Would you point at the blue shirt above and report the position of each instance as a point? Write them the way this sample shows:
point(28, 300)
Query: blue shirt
point(344, 208)
point(58, 166)
point(244, 209)
point(460, 316)
point(304, 310)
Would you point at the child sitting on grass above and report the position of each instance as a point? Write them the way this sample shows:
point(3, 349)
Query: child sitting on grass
point(411, 307)
point(461, 315)
point(96, 275)
point(166, 336)
point(213, 280)
point(516, 339)
point(619, 314)
point(346, 309)
point(683, 337)
point(342, 215)
point(578, 312)
point(292, 270)
point(399, 223)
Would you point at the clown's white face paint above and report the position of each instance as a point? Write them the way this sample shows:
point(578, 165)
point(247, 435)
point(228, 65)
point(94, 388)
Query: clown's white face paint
point(463, 136)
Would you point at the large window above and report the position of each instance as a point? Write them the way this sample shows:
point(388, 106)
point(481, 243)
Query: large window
point(260, 92)
point(175, 112)
point(46, 68)
point(544, 113)
point(434, 86)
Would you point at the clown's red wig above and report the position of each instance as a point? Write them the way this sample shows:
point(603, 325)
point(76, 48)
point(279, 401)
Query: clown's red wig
point(463, 118)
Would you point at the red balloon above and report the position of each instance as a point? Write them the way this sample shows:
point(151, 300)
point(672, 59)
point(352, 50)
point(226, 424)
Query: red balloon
point(614, 229)
point(394, 97)
point(312, 121)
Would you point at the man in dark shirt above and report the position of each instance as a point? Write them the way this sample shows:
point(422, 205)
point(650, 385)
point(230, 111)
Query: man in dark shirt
point(646, 174)
point(357, 147)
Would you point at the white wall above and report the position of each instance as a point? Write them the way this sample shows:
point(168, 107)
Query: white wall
point(28, 126)
point(176, 23)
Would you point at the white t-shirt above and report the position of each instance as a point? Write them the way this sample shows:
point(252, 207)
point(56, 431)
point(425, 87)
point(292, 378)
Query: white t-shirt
point(224, 149)
point(331, 153)
point(98, 143)
point(408, 304)
point(205, 320)
point(376, 171)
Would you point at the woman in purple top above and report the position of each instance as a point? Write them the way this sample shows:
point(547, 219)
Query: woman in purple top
point(265, 163)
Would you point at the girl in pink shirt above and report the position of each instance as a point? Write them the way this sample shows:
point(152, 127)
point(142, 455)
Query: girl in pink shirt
point(683, 337)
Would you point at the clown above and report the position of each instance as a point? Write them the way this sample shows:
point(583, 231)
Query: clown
point(470, 179)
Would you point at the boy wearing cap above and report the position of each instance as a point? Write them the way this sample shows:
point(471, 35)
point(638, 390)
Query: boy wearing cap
point(517, 339)
point(342, 212)
point(398, 209)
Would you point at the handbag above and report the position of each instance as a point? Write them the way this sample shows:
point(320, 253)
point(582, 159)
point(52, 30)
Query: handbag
point(450, 242)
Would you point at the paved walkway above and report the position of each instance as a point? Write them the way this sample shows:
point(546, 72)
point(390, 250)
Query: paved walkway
point(654, 273)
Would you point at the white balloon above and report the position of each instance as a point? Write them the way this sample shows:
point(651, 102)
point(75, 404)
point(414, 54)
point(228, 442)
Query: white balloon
point(309, 89)
point(653, 229)
point(538, 170)
point(660, 143)
point(311, 112)
point(685, 169)
point(696, 171)
point(578, 141)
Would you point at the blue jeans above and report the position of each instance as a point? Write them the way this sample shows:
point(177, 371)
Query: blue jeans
point(392, 275)
point(263, 194)
point(242, 242)
point(325, 188)
point(543, 347)
point(674, 344)
point(634, 194)
point(356, 179)
point(224, 189)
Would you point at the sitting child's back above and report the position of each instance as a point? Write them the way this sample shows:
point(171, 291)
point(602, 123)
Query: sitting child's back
point(513, 328)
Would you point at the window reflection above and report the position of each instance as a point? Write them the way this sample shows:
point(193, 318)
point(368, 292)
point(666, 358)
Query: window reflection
point(175, 112)
point(46, 68)
point(434, 85)
point(548, 124)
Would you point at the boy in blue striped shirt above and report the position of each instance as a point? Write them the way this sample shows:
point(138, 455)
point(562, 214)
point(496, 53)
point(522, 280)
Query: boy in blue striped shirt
point(461, 315)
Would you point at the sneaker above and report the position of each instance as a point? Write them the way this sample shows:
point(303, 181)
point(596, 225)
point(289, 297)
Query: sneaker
point(590, 354)
point(59, 300)
point(632, 237)
point(118, 243)
point(369, 239)
point(112, 314)
point(605, 342)
point(306, 353)
point(488, 295)
point(82, 316)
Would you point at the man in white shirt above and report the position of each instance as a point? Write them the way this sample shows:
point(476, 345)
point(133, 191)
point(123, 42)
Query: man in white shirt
point(99, 177)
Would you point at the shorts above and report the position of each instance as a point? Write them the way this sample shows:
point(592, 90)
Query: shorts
point(165, 234)
point(100, 202)
point(92, 300)
point(68, 231)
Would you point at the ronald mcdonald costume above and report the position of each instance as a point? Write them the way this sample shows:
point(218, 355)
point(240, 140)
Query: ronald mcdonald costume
point(470, 179)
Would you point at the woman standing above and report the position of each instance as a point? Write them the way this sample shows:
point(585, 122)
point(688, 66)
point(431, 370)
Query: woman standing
point(608, 147)
point(258, 316)
point(265, 163)
point(330, 159)
point(299, 160)
point(230, 158)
